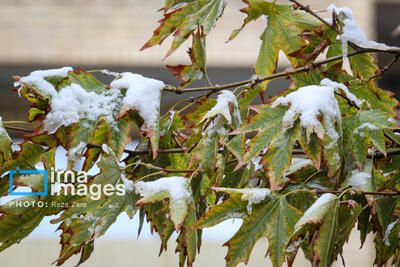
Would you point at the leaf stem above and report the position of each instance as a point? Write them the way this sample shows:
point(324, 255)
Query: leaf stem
point(16, 122)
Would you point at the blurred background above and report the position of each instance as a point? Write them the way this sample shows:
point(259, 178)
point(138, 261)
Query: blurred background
point(107, 34)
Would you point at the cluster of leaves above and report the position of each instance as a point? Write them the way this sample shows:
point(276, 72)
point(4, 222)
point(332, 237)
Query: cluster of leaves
point(227, 164)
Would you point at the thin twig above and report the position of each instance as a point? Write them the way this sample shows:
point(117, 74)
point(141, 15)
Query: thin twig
point(19, 129)
point(350, 192)
point(341, 256)
point(309, 10)
point(385, 68)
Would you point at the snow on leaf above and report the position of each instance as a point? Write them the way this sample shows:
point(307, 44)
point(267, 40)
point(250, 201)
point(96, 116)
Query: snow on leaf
point(311, 102)
point(143, 95)
point(225, 99)
point(363, 128)
point(79, 110)
point(218, 121)
point(38, 79)
point(351, 32)
point(318, 210)
point(252, 195)
point(176, 189)
point(319, 112)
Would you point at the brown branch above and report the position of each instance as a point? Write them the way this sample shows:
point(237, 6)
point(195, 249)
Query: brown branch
point(306, 68)
point(309, 10)
point(376, 155)
point(19, 129)
point(153, 167)
point(373, 193)
point(385, 68)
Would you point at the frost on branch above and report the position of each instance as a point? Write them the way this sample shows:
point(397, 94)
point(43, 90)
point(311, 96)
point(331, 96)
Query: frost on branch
point(176, 188)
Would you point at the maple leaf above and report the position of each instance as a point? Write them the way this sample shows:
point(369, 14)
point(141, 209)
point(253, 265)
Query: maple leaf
point(363, 128)
point(183, 19)
point(274, 219)
point(219, 120)
point(283, 27)
point(176, 189)
point(197, 70)
point(94, 105)
point(91, 217)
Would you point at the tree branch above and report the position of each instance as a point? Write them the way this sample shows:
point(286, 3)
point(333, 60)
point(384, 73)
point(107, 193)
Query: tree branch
point(306, 68)
point(373, 193)
point(309, 10)
point(385, 68)
point(376, 155)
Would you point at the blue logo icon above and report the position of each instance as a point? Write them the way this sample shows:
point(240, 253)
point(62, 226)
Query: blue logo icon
point(17, 170)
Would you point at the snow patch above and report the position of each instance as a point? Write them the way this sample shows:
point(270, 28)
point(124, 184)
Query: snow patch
point(317, 204)
point(359, 179)
point(352, 32)
point(252, 195)
point(224, 98)
point(341, 86)
point(176, 186)
point(37, 79)
point(311, 102)
point(143, 95)
point(128, 183)
point(15, 147)
point(363, 126)
point(388, 231)
point(74, 103)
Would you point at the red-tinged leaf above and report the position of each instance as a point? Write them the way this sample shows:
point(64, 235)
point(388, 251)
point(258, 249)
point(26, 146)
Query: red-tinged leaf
point(182, 20)
point(197, 70)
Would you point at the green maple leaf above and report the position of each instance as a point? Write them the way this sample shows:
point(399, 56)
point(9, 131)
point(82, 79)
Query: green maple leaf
point(268, 123)
point(325, 212)
point(274, 219)
point(176, 189)
point(284, 25)
point(17, 222)
point(377, 98)
point(219, 120)
point(197, 70)
point(182, 20)
point(363, 128)
point(91, 217)
point(5, 145)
